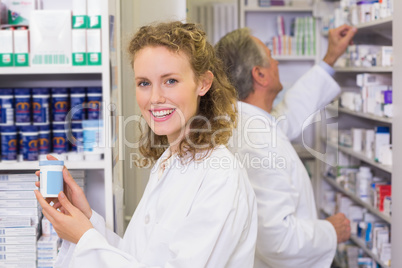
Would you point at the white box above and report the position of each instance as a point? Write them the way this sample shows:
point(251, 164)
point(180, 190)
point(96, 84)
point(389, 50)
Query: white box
point(18, 231)
point(385, 56)
point(367, 79)
point(17, 186)
point(94, 14)
point(21, 48)
point(17, 248)
point(47, 254)
point(49, 243)
point(24, 221)
point(19, 211)
point(6, 48)
point(17, 256)
point(46, 263)
point(79, 47)
point(17, 195)
point(77, 173)
point(18, 264)
point(94, 47)
point(80, 19)
point(18, 177)
point(18, 240)
point(50, 38)
point(20, 11)
point(23, 203)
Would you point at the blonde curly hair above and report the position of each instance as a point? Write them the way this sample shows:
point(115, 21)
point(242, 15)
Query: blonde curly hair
point(217, 108)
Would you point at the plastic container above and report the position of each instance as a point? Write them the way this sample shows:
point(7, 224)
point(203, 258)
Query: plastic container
point(40, 100)
point(9, 144)
point(30, 138)
point(364, 179)
point(51, 178)
point(23, 112)
point(6, 107)
point(93, 139)
point(59, 141)
point(60, 104)
point(94, 100)
point(44, 140)
point(77, 100)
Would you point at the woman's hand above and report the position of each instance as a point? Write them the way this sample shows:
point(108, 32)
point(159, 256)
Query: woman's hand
point(73, 192)
point(70, 226)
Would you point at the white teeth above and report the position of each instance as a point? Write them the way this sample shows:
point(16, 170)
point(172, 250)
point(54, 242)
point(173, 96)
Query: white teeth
point(162, 113)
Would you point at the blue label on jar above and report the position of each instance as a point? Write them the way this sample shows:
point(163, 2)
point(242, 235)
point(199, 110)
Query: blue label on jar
point(54, 182)
point(59, 108)
point(94, 103)
point(60, 143)
point(41, 110)
point(9, 146)
point(76, 107)
point(22, 110)
point(7, 111)
point(30, 147)
point(44, 143)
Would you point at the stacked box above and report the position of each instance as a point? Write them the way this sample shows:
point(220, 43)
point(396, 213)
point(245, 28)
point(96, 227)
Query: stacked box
point(19, 218)
point(47, 250)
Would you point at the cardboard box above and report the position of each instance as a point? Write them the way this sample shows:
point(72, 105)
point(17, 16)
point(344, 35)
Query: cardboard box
point(18, 240)
point(6, 48)
point(17, 195)
point(19, 177)
point(80, 18)
point(21, 48)
point(28, 231)
point(94, 47)
point(79, 47)
point(50, 38)
point(19, 11)
point(94, 14)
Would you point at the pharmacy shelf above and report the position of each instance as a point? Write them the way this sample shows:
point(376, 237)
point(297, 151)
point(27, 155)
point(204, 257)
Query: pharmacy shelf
point(361, 156)
point(279, 9)
point(357, 200)
point(293, 58)
point(376, 25)
point(361, 244)
point(375, 69)
point(376, 118)
point(51, 70)
point(34, 165)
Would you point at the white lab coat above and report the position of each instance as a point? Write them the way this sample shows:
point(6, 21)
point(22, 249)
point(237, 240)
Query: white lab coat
point(200, 214)
point(289, 233)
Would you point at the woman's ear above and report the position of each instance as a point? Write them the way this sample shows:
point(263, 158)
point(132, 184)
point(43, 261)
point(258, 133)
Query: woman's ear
point(205, 83)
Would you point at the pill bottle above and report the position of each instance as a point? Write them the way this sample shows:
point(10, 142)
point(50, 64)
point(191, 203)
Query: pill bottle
point(94, 100)
point(77, 100)
point(9, 144)
point(51, 177)
point(59, 140)
point(44, 140)
point(22, 106)
point(30, 143)
point(60, 104)
point(6, 107)
point(40, 103)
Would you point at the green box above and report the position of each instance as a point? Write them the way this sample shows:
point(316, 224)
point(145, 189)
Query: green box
point(94, 22)
point(6, 60)
point(21, 59)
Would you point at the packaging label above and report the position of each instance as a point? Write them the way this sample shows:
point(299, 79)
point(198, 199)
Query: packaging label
point(21, 60)
point(94, 58)
point(94, 22)
point(40, 111)
point(30, 147)
point(22, 110)
point(59, 108)
point(94, 103)
point(54, 182)
point(6, 111)
point(80, 22)
point(6, 60)
point(79, 59)
point(44, 143)
point(60, 144)
point(9, 147)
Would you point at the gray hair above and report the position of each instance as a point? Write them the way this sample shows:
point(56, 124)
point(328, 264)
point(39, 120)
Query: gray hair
point(240, 53)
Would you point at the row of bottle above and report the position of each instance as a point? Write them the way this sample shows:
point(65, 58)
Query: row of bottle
point(23, 106)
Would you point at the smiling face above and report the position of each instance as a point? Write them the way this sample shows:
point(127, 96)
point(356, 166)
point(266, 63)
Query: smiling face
point(166, 90)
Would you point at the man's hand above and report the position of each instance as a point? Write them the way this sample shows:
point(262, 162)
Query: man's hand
point(341, 225)
point(338, 40)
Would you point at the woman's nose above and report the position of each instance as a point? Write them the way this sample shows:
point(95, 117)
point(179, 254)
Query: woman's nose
point(157, 96)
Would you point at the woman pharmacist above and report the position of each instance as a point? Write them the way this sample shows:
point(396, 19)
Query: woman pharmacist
point(194, 213)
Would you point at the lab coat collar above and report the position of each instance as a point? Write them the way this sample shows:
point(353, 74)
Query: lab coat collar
point(247, 108)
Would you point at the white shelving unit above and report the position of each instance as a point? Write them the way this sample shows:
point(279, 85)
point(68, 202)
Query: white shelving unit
point(278, 9)
point(382, 29)
point(99, 181)
point(293, 58)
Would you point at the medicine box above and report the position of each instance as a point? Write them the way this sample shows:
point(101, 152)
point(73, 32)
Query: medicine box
point(19, 203)
point(94, 49)
point(79, 47)
point(21, 48)
point(94, 14)
point(18, 177)
point(17, 186)
point(80, 18)
point(17, 195)
point(18, 256)
point(17, 248)
point(48, 243)
point(6, 48)
point(18, 264)
point(19, 11)
point(50, 32)
point(7, 221)
point(18, 240)
point(18, 231)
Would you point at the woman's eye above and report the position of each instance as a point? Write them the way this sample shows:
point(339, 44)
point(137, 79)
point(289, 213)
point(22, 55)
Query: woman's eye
point(171, 81)
point(143, 84)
